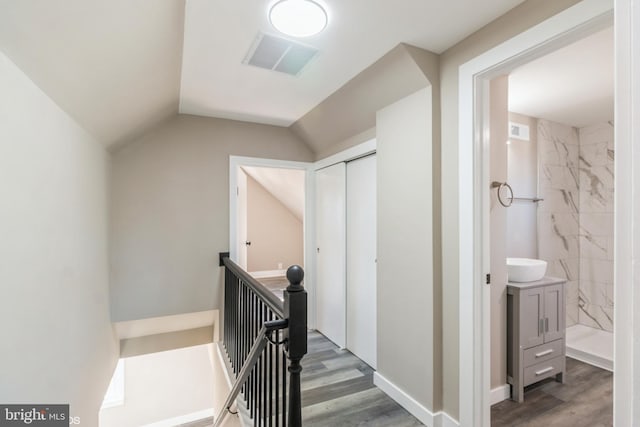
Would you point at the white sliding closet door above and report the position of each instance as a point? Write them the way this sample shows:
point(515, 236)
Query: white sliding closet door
point(330, 238)
point(361, 258)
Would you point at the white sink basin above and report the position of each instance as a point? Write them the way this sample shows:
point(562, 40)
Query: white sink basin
point(526, 269)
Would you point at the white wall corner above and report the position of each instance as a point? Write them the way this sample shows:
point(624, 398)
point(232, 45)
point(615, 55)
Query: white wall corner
point(446, 420)
point(424, 415)
point(500, 393)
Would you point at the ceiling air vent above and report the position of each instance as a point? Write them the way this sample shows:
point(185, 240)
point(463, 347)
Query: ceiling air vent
point(278, 54)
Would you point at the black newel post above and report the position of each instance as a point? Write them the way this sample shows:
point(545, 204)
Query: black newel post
point(295, 310)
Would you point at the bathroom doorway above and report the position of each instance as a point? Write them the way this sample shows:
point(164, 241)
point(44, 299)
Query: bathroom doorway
point(552, 152)
point(575, 23)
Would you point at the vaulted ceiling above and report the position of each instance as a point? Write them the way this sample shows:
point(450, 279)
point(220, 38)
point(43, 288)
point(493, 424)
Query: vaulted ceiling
point(114, 65)
point(119, 67)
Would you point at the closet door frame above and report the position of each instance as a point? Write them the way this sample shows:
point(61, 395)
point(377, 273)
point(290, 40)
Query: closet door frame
point(353, 153)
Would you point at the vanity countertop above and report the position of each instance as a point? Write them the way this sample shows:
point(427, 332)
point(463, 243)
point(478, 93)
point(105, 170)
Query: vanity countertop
point(545, 281)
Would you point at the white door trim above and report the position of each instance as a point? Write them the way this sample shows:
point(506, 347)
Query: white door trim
point(626, 381)
point(236, 162)
point(360, 150)
point(559, 30)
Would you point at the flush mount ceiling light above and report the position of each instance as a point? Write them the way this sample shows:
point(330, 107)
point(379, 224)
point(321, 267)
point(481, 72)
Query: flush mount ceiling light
point(298, 18)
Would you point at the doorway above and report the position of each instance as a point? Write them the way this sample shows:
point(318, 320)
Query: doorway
point(474, 198)
point(270, 219)
point(245, 172)
point(552, 142)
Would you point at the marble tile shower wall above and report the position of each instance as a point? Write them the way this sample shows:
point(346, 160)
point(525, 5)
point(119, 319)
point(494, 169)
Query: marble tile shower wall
point(575, 220)
point(558, 214)
point(595, 294)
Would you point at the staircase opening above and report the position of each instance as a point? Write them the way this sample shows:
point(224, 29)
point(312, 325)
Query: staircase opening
point(164, 388)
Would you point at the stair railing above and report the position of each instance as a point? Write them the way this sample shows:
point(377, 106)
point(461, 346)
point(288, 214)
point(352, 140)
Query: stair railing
point(265, 339)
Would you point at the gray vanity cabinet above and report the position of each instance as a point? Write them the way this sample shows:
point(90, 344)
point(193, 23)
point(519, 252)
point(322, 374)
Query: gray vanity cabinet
point(535, 333)
point(554, 316)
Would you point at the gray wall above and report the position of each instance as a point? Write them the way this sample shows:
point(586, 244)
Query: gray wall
point(57, 344)
point(499, 118)
point(510, 24)
point(170, 211)
point(408, 338)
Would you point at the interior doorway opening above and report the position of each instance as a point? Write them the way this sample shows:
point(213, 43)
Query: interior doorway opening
point(474, 189)
point(270, 219)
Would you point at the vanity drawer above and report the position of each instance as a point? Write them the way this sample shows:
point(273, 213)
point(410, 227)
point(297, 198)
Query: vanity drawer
point(543, 370)
point(543, 352)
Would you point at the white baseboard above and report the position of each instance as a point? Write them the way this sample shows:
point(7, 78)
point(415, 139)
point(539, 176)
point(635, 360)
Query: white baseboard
point(500, 393)
point(424, 415)
point(268, 273)
point(224, 363)
point(195, 416)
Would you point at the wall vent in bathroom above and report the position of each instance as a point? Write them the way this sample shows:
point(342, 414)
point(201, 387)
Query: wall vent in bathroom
point(518, 131)
point(279, 54)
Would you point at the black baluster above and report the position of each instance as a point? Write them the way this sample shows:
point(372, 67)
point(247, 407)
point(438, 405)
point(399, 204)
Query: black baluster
point(277, 365)
point(270, 365)
point(264, 374)
point(260, 375)
point(254, 371)
point(284, 387)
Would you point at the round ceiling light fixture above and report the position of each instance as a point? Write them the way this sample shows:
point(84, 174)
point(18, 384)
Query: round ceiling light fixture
point(298, 18)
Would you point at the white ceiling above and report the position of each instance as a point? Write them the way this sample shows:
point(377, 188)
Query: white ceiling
point(115, 65)
point(286, 185)
point(219, 34)
point(573, 85)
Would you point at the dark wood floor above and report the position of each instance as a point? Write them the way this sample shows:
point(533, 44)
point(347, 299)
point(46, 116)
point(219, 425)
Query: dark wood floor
point(585, 399)
point(338, 390)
